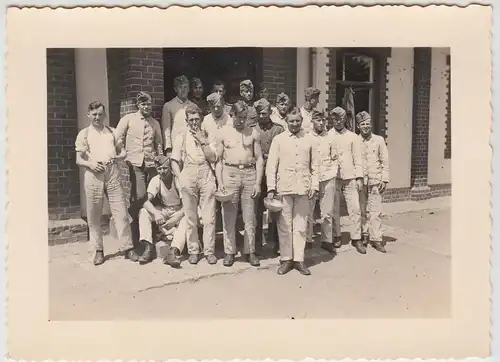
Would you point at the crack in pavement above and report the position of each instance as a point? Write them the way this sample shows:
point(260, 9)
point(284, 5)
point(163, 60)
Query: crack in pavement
point(198, 278)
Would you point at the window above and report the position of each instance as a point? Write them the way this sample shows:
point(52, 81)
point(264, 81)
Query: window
point(355, 82)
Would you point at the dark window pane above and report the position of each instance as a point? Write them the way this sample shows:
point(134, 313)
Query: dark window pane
point(362, 100)
point(358, 68)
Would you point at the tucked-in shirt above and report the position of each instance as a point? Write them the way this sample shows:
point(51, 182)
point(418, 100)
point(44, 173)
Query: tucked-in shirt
point(349, 150)
point(158, 189)
point(328, 160)
point(188, 151)
point(211, 124)
point(142, 138)
point(170, 110)
point(292, 164)
point(99, 145)
point(307, 124)
point(278, 119)
point(267, 135)
point(375, 159)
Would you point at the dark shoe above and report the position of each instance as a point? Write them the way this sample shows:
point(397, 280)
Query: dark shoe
point(99, 258)
point(131, 255)
point(337, 242)
point(147, 256)
point(193, 259)
point(211, 259)
point(359, 246)
point(228, 260)
point(172, 258)
point(253, 260)
point(366, 239)
point(285, 267)
point(379, 246)
point(301, 268)
point(328, 247)
point(309, 245)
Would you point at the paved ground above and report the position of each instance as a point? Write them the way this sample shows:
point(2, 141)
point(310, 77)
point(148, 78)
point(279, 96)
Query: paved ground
point(411, 281)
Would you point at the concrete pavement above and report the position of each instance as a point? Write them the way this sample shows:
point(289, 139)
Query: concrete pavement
point(411, 281)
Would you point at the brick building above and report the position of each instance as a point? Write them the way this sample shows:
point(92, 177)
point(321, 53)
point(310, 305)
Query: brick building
point(407, 91)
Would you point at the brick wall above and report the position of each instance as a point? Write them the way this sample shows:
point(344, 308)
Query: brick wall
point(421, 107)
point(62, 129)
point(331, 99)
point(280, 71)
point(132, 70)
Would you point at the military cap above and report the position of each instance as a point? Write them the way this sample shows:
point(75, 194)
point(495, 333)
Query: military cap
point(363, 116)
point(261, 104)
point(318, 114)
point(282, 98)
point(161, 161)
point(246, 84)
point(311, 92)
point(196, 82)
point(143, 97)
point(339, 112)
point(180, 80)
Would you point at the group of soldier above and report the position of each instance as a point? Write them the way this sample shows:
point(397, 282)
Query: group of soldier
point(209, 156)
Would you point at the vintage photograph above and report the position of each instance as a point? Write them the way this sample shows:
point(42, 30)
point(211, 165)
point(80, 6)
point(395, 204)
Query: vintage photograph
point(245, 182)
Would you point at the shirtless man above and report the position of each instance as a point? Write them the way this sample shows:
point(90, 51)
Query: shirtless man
point(239, 171)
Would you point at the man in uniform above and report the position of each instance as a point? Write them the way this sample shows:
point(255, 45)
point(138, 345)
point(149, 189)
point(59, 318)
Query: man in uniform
point(283, 104)
point(220, 88)
point(97, 150)
point(267, 131)
point(239, 172)
point(164, 208)
point(264, 93)
point(218, 117)
point(349, 177)
point(327, 157)
point(197, 95)
point(292, 173)
point(311, 101)
point(143, 141)
point(193, 153)
point(376, 177)
point(247, 94)
point(173, 117)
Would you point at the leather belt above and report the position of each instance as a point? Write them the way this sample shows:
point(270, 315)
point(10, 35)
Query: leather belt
point(240, 166)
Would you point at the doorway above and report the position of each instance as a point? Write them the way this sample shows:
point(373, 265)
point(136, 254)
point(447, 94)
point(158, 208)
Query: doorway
point(229, 65)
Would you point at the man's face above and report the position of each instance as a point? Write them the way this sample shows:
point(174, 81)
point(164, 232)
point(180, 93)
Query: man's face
point(219, 88)
point(247, 94)
point(264, 94)
point(365, 127)
point(264, 116)
point(193, 121)
point(313, 101)
point(198, 90)
point(319, 124)
point(294, 123)
point(145, 108)
point(182, 90)
point(164, 170)
point(240, 120)
point(338, 122)
point(283, 107)
point(217, 108)
point(96, 116)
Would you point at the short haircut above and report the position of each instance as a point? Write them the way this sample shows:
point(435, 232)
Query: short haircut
point(218, 82)
point(294, 112)
point(192, 109)
point(96, 105)
point(240, 108)
point(195, 82)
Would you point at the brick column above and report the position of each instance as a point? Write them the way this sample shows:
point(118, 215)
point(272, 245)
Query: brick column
point(331, 99)
point(280, 72)
point(131, 70)
point(62, 129)
point(420, 133)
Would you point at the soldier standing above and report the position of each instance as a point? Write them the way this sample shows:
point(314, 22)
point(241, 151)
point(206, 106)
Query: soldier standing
point(283, 104)
point(311, 101)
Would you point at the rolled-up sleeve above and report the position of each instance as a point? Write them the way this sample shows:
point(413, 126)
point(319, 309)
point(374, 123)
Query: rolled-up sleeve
point(272, 164)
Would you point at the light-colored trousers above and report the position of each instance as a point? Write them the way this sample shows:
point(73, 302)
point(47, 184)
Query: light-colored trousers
point(371, 210)
point(241, 183)
point(145, 226)
point(326, 197)
point(97, 185)
point(351, 195)
point(292, 227)
point(198, 188)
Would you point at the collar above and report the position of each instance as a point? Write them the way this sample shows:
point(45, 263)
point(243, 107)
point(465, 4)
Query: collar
point(366, 138)
point(319, 134)
point(179, 100)
point(305, 110)
point(345, 130)
point(141, 116)
point(92, 128)
point(269, 126)
point(298, 134)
